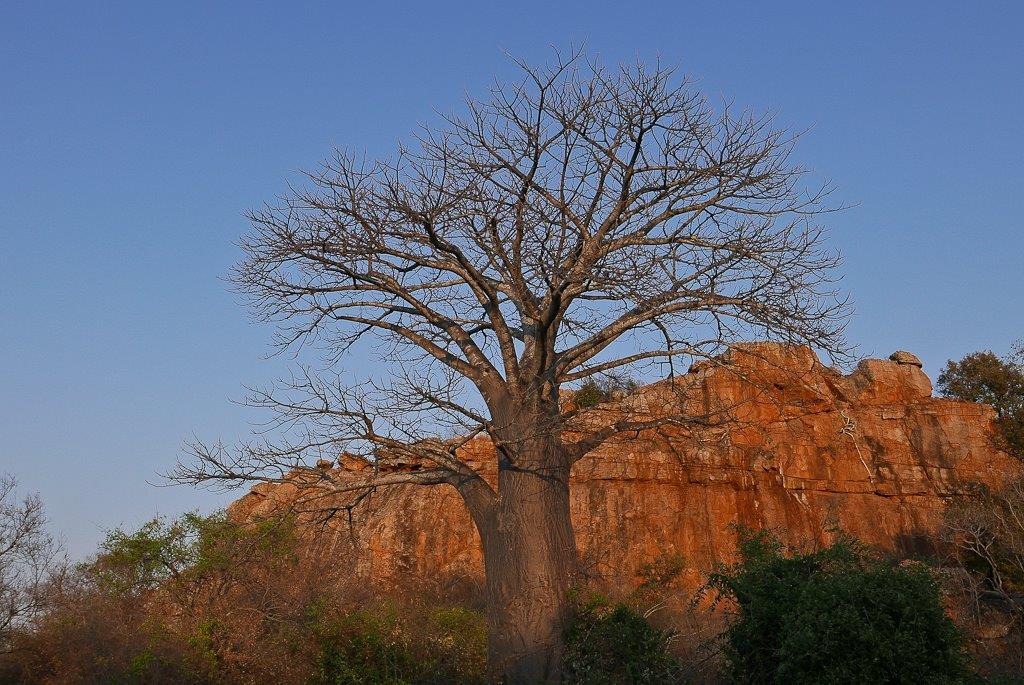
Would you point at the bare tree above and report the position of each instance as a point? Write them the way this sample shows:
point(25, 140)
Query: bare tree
point(27, 555)
point(986, 534)
point(580, 221)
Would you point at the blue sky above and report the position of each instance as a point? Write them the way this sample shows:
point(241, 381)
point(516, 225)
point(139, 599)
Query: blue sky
point(134, 135)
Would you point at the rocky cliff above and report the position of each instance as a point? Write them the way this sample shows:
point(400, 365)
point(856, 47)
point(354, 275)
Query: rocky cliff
point(785, 443)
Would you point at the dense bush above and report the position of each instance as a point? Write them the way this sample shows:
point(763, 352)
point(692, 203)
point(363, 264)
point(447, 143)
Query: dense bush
point(204, 600)
point(198, 599)
point(387, 644)
point(614, 643)
point(838, 615)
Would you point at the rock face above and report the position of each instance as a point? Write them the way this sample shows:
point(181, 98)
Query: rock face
point(787, 443)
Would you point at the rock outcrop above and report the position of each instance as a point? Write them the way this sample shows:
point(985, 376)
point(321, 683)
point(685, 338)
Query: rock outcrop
point(786, 443)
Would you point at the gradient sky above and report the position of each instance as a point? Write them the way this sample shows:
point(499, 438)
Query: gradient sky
point(134, 135)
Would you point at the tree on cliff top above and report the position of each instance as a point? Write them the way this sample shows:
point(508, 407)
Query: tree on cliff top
point(579, 222)
point(996, 381)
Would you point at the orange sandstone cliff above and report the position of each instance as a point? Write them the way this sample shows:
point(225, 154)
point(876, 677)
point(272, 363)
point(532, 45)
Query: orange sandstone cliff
point(796, 446)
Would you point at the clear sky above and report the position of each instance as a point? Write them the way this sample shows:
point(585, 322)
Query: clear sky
point(134, 135)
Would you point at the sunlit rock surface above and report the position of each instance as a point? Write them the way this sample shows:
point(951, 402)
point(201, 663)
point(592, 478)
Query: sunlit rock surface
point(785, 443)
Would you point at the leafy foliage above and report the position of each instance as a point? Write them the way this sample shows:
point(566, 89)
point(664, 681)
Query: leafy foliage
point(202, 599)
point(187, 549)
point(614, 643)
point(838, 615)
point(996, 381)
point(598, 391)
point(381, 645)
point(139, 561)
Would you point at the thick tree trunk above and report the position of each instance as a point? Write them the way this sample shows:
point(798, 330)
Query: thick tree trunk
point(530, 561)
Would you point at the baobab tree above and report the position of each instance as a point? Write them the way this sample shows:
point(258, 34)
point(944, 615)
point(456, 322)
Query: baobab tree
point(580, 221)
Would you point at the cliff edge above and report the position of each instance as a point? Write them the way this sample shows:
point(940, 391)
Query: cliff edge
point(792, 445)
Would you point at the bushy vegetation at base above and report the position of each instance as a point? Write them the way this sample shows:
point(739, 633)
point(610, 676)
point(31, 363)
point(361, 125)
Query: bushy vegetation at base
point(614, 643)
point(204, 600)
point(838, 615)
point(985, 538)
point(392, 645)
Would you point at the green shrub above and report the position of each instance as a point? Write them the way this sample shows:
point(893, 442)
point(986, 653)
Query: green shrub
point(186, 550)
point(835, 616)
point(595, 392)
point(382, 645)
point(205, 654)
point(590, 395)
point(457, 644)
point(362, 647)
point(614, 643)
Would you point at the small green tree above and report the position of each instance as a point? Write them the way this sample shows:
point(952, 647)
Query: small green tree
point(838, 615)
point(595, 391)
point(139, 561)
point(996, 381)
point(179, 554)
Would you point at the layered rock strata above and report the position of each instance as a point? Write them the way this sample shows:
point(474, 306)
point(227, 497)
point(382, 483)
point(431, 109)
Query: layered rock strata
point(782, 441)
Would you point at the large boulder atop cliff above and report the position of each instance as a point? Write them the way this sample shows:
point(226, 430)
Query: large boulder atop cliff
point(904, 357)
point(805, 450)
